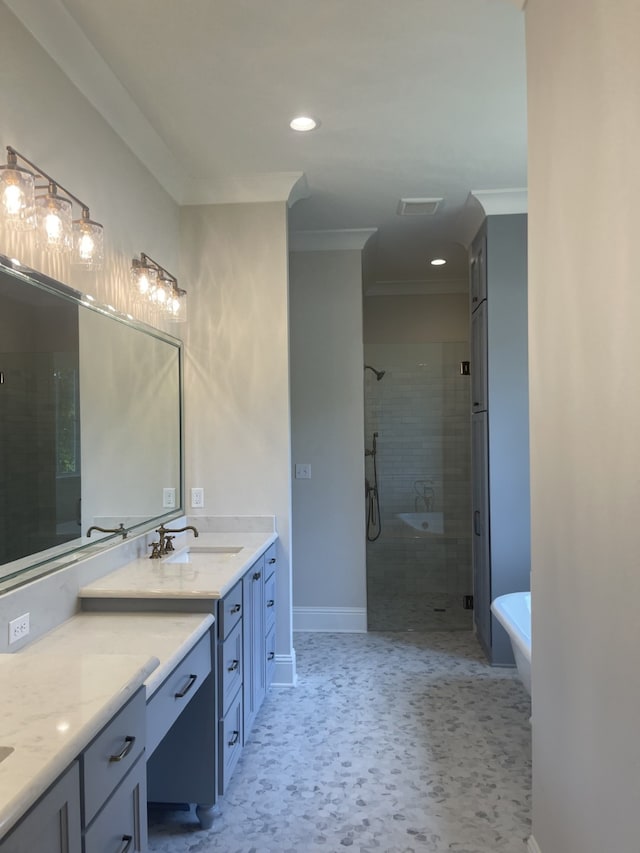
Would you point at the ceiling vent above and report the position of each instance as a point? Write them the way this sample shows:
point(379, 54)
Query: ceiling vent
point(418, 206)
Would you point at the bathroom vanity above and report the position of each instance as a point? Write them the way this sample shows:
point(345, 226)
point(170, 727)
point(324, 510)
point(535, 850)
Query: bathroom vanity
point(123, 679)
point(148, 693)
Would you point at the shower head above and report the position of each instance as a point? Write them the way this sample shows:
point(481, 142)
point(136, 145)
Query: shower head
point(379, 373)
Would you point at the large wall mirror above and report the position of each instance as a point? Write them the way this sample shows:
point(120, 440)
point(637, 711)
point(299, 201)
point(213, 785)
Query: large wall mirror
point(90, 424)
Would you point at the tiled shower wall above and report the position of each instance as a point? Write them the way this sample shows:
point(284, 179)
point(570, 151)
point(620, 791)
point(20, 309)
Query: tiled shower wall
point(417, 575)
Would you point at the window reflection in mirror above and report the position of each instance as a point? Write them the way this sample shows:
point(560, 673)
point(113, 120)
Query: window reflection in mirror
point(40, 472)
point(90, 424)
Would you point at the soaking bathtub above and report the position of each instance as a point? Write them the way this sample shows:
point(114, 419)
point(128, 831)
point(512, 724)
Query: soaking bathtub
point(513, 611)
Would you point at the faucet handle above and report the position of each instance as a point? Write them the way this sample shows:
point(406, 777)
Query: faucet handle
point(155, 551)
point(168, 544)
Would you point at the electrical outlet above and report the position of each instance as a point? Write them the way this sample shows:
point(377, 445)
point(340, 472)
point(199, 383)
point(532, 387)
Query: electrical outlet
point(168, 498)
point(197, 498)
point(18, 628)
point(303, 471)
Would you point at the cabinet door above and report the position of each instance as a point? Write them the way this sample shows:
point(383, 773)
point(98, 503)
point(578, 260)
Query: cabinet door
point(478, 270)
point(480, 534)
point(53, 824)
point(255, 668)
point(479, 392)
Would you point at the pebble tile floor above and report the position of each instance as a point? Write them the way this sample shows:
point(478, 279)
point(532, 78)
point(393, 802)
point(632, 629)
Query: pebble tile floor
point(390, 743)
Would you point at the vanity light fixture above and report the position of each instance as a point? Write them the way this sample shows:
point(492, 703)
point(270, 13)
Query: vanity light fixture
point(155, 285)
point(26, 205)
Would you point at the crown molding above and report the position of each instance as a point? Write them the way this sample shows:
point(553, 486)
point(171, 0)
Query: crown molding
point(58, 33)
point(238, 189)
point(326, 241)
point(502, 202)
point(427, 287)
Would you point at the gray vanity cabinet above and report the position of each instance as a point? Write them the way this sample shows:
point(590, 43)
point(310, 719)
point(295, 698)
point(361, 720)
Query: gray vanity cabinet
point(99, 804)
point(53, 824)
point(255, 669)
point(499, 422)
point(246, 658)
point(270, 612)
point(231, 673)
point(181, 758)
point(122, 823)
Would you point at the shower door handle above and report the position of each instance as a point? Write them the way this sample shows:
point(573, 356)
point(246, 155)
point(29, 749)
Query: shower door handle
point(476, 523)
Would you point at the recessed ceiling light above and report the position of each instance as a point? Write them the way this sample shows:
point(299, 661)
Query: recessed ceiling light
point(438, 262)
point(303, 123)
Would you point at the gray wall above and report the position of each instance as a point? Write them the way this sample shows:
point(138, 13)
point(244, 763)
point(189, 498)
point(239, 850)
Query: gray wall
point(327, 432)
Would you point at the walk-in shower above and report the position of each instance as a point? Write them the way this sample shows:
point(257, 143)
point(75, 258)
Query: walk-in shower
point(417, 465)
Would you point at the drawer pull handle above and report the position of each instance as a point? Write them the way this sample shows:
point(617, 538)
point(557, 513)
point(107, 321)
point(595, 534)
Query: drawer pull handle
point(126, 749)
point(257, 576)
point(271, 655)
point(234, 665)
point(192, 680)
point(127, 839)
point(236, 608)
point(235, 737)
point(272, 561)
point(270, 603)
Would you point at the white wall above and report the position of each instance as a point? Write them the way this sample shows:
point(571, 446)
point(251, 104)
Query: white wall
point(584, 304)
point(327, 432)
point(47, 119)
point(237, 419)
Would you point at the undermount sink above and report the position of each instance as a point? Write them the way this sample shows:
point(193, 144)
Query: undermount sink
point(5, 751)
point(187, 555)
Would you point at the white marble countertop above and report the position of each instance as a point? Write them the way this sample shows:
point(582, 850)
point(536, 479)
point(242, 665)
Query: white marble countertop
point(165, 636)
point(52, 706)
point(204, 575)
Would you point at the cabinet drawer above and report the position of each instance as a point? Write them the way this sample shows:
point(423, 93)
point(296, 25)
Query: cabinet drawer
point(111, 755)
point(231, 669)
point(270, 603)
point(270, 560)
point(122, 824)
point(230, 610)
point(271, 655)
point(174, 694)
point(230, 740)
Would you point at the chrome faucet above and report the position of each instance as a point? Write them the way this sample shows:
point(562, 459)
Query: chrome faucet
point(165, 544)
point(121, 529)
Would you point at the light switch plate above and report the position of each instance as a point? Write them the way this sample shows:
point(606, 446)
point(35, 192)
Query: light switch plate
point(303, 471)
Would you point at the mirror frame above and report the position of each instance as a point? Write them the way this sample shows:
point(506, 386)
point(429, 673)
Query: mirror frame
point(39, 567)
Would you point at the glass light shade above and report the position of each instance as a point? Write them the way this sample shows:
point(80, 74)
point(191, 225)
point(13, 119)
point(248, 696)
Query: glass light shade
point(178, 305)
point(143, 281)
point(160, 294)
point(17, 198)
point(88, 244)
point(55, 229)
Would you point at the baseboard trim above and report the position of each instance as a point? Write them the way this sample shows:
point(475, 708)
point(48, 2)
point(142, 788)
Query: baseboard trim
point(330, 619)
point(532, 845)
point(285, 674)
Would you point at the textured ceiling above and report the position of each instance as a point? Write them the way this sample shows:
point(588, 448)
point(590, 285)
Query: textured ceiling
point(415, 97)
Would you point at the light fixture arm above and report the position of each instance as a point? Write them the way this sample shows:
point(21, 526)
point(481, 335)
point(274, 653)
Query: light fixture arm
point(12, 160)
point(147, 260)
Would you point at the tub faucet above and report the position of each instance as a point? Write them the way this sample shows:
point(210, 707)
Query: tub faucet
point(165, 545)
